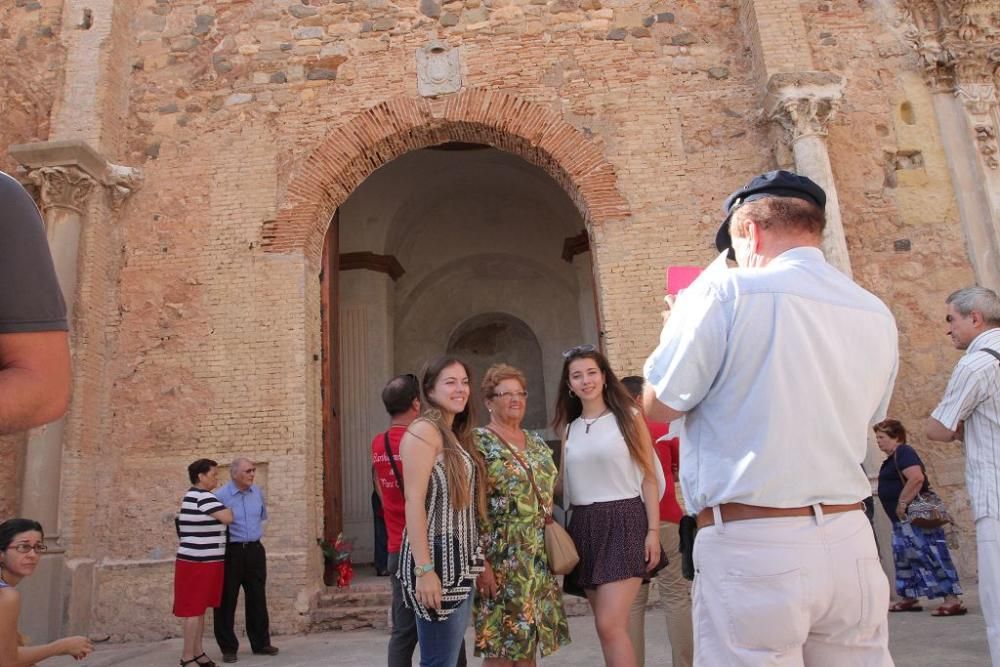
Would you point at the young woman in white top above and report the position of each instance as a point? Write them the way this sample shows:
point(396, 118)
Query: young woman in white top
point(610, 482)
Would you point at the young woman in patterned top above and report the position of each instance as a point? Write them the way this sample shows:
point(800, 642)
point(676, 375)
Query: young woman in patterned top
point(442, 480)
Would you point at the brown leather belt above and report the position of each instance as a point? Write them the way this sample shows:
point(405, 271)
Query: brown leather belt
point(741, 512)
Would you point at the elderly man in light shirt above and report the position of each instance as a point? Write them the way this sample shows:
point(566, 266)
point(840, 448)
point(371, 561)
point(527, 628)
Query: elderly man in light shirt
point(779, 367)
point(970, 410)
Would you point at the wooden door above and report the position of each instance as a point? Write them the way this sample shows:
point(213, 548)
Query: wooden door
point(333, 510)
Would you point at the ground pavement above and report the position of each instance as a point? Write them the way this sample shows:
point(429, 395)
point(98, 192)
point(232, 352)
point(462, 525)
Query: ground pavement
point(916, 639)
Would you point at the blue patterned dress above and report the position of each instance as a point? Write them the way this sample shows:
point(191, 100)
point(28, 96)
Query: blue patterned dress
point(923, 562)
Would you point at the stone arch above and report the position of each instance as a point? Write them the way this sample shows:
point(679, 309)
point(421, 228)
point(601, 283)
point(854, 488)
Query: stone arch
point(496, 337)
point(352, 151)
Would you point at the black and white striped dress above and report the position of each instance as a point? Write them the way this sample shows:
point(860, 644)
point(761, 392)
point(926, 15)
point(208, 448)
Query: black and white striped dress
point(453, 542)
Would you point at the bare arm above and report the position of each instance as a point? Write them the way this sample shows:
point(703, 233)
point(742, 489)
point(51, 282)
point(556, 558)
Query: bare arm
point(224, 515)
point(418, 450)
point(650, 496)
point(935, 430)
point(34, 379)
point(655, 409)
point(914, 477)
point(12, 655)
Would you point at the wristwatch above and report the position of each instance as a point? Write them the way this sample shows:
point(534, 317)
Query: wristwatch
point(421, 570)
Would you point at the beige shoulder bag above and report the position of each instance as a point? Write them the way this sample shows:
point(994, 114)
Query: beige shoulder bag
point(559, 547)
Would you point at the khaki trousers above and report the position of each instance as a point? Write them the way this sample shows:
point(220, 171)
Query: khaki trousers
point(675, 596)
point(790, 592)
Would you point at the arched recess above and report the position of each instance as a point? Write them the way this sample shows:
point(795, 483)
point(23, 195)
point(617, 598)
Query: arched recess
point(489, 338)
point(352, 151)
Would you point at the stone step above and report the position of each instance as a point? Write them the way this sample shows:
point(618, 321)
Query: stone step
point(350, 618)
point(351, 598)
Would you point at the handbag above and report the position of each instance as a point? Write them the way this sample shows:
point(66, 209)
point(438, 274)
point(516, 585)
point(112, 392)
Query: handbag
point(926, 510)
point(559, 548)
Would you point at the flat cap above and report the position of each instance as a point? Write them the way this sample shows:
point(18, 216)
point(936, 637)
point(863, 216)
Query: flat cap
point(772, 184)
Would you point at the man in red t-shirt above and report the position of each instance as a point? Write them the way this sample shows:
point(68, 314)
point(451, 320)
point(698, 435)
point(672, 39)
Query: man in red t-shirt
point(675, 590)
point(401, 397)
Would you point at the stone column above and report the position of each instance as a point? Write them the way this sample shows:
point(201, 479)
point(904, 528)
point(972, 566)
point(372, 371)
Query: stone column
point(957, 49)
point(68, 176)
point(802, 104)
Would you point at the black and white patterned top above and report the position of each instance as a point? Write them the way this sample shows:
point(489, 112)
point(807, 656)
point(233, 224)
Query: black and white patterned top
point(452, 539)
point(202, 536)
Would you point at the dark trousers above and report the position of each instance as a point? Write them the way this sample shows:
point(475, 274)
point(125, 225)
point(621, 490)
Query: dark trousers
point(381, 536)
point(403, 639)
point(246, 567)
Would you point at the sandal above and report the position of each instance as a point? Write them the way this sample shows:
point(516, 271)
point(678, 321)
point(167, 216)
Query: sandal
point(906, 605)
point(185, 663)
point(955, 609)
point(210, 663)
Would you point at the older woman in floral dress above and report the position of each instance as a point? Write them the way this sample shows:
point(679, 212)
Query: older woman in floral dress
point(519, 609)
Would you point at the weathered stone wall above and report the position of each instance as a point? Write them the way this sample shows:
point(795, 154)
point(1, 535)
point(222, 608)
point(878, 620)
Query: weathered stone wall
point(213, 341)
point(30, 60)
point(900, 217)
point(30, 56)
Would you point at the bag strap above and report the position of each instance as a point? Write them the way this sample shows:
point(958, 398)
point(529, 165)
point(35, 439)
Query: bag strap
point(527, 469)
point(392, 461)
point(991, 352)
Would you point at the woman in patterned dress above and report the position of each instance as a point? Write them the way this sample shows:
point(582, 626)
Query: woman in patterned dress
point(519, 610)
point(923, 564)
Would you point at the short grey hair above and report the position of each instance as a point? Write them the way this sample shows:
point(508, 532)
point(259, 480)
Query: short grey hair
point(235, 465)
point(976, 298)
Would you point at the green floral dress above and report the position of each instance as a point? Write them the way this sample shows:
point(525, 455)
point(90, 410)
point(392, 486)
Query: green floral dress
point(527, 612)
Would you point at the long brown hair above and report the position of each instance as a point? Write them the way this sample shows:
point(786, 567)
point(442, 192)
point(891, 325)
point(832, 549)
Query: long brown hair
point(616, 397)
point(457, 438)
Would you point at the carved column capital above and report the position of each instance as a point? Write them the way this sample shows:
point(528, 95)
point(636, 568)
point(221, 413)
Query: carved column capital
point(63, 187)
point(980, 100)
point(77, 161)
point(957, 41)
point(803, 103)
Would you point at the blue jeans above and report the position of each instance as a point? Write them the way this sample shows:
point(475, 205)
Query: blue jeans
point(441, 641)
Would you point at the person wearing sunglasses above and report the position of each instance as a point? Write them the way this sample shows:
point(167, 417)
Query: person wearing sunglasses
point(21, 548)
point(519, 611)
point(613, 485)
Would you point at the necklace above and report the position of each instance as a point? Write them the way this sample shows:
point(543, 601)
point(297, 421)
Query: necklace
point(590, 422)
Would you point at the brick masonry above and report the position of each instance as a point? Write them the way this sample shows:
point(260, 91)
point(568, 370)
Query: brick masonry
point(197, 331)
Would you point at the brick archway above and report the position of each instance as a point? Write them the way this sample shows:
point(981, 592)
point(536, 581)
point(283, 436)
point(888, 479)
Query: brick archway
point(352, 151)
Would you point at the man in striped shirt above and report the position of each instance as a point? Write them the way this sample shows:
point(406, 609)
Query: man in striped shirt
point(970, 411)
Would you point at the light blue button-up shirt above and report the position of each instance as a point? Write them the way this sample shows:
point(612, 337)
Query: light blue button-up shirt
point(781, 370)
point(249, 511)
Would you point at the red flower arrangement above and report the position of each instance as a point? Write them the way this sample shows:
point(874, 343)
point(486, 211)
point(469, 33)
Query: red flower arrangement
point(337, 568)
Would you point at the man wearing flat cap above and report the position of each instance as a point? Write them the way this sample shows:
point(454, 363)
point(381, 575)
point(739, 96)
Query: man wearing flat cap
point(779, 367)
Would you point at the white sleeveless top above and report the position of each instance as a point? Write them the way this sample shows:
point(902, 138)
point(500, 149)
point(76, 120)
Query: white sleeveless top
point(598, 466)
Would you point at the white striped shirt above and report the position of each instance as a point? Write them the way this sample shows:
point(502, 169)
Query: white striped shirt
point(202, 536)
point(973, 396)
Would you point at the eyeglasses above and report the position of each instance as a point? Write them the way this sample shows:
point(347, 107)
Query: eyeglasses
point(579, 349)
point(24, 547)
point(508, 395)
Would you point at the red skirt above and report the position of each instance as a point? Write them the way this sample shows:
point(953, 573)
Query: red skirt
point(197, 586)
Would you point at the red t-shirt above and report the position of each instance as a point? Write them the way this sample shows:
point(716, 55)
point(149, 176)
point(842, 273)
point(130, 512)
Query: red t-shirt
point(393, 503)
point(667, 451)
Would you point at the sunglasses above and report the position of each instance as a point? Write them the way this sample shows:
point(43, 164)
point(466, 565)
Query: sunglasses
point(579, 349)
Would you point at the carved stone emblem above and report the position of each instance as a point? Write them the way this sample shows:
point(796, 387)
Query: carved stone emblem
point(439, 70)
